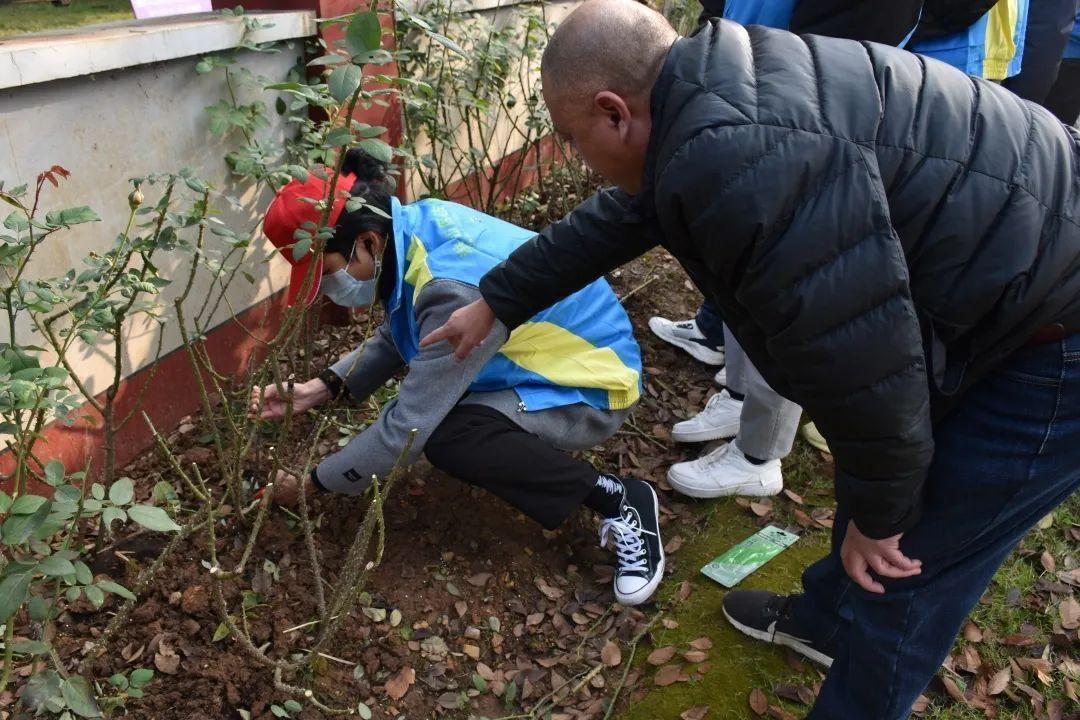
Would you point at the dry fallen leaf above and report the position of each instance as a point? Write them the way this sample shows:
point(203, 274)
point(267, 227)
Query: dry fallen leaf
point(695, 713)
point(610, 654)
point(399, 684)
point(1047, 561)
point(761, 508)
point(758, 702)
point(551, 593)
point(780, 713)
point(1055, 709)
point(684, 591)
point(701, 643)
point(695, 656)
point(667, 675)
point(673, 545)
point(952, 689)
point(797, 499)
point(659, 656)
point(1069, 610)
point(972, 633)
point(921, 704)
point(999, 681)
point(479, 579)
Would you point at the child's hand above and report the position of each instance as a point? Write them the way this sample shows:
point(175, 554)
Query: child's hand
point(286, 489)
point(304, 397)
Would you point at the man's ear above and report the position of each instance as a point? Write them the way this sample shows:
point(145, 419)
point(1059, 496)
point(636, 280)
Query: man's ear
point(615, 110)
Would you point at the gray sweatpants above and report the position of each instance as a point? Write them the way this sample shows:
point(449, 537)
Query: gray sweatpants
point(769, 421)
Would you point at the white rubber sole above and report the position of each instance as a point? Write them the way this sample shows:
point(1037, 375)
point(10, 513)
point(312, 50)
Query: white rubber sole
point(723, 432)
point(708, 493)
point(647, 590)
point(695, 350)
point(782, 639)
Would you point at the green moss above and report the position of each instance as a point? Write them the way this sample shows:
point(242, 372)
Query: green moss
point(22, 18)
point(736, 663)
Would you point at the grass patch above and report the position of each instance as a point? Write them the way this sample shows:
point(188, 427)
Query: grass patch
point(22, 18)
point(737, 664)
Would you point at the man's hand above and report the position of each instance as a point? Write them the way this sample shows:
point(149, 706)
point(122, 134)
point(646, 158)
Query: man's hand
point(861, 554)
point(286, 489)
point(304, 397)
point(465, 330)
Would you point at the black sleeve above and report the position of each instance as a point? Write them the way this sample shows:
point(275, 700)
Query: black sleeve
point(881, 22)
point(599, 235)
point(796, 228)
point(946, 17)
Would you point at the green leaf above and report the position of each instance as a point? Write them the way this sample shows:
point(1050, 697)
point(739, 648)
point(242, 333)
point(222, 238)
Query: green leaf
point(5, 502)
point(331, 59)
point(338, 137)
point(97, 491)
point(55, 566)
point(152, 518)
point(135, 692)
point(141, 676)
point(298, 172)
point(40, 688)
point(18, 528)
point(363, 711)
point(119, 680)
point(116, 589)
point(13, 591)
point(279, 711)
point(364, 34)
point(221, 632)
point(77, 215)
point(26, 504)
point(73, 593)
point(79, 697)
point(54, 472)
point(479, 683)
point(38, 608)
point(300, 248)
point(94, 595)
point(122, 491)
point(343, 82)
point(293, 706)
point(30, 647)
point(448, 44)
point(111, 514)
point(377, 149)
point(83, 576)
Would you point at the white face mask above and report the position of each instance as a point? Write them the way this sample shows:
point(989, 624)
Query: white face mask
point(345, 290)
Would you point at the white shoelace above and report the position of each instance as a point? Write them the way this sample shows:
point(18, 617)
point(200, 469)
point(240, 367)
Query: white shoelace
point(717, 399)
point(629, 545)
point(612, 486)
point(715, 457)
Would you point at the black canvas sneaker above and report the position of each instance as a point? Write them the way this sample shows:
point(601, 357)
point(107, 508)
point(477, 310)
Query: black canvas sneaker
point(763, 615)
point(635, 537)
point(685, 334)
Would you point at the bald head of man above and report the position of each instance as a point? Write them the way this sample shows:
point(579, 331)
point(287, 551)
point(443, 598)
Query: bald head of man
point(598, 71)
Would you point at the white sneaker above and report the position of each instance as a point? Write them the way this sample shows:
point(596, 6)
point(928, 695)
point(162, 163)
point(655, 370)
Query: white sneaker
point(684, 334)
point(726, 471)
point(719, 420)
point(720, 378)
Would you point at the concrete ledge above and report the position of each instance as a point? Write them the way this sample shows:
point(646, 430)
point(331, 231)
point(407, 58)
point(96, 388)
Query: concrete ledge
point(54, 56)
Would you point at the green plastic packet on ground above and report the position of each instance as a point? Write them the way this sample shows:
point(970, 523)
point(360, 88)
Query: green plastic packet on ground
point(746, 557)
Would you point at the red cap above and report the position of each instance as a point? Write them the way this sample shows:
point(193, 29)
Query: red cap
point(287, 212)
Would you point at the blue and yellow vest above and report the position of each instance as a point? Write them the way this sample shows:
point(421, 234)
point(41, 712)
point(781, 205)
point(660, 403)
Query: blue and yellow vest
point(992, 48)
point(582, 349)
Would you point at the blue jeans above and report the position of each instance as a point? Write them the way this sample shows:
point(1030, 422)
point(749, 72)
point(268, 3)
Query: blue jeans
point(1004, 458)
point(711, 324)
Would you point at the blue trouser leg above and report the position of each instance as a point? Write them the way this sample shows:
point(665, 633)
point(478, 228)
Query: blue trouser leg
point(711, 324)
point(1006, 456)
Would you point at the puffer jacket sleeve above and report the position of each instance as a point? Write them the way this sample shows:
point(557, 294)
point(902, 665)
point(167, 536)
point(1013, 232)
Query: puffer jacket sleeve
point(599, 235)
point(796, 224)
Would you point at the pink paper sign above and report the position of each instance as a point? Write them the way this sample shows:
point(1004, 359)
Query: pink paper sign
point(160, 8)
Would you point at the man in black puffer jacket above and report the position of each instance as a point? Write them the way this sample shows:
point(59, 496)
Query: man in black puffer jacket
point(897, 248)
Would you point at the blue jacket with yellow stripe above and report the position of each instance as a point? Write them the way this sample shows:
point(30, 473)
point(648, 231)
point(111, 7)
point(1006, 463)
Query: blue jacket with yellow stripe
point(580, 350)
point(991, 47)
